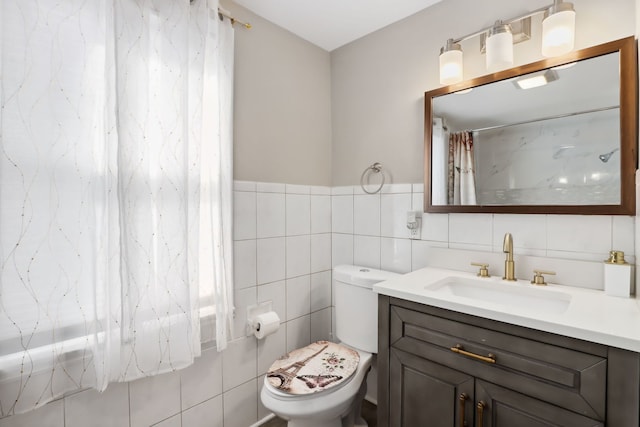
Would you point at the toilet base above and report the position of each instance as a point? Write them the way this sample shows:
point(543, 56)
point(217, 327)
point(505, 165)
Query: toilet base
point(352, 418)
point(314, 423)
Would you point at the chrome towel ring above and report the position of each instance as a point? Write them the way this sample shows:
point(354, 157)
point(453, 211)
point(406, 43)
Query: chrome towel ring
point(376, 168)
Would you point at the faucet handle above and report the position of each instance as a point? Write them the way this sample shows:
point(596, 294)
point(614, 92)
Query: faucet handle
point(484, 269)
point(538, 279)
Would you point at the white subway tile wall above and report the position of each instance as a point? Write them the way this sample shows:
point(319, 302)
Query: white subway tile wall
point(240, 406)
point(395, 255)
point(366, 215)
point(366, 251)
point(154, 399)
point(209, 413)
point(286, 240)
point(532, 234)
point(176, 420)
point(393, 214)
point(271, 348)
point(298, 332)
point(320, 252)
point(201, 381)
point(245, 268)
point(98, 409)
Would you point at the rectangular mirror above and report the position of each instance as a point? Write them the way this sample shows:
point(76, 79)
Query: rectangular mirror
point(556, 136)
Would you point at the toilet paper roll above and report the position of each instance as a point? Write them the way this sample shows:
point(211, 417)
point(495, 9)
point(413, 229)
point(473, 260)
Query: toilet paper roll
point(265, 324)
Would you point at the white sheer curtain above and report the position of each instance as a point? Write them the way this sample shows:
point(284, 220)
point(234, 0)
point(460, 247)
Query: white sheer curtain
point(462, 175)
point(439, 162)
point(115, 191)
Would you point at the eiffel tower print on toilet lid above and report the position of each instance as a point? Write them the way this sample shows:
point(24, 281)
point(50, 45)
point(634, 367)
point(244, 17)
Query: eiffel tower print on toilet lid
point(314, 368)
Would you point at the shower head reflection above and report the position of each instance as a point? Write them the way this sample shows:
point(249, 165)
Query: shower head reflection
point(604, 158)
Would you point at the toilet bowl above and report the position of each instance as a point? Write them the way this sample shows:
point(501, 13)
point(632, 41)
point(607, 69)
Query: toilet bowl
point(356, 328)
point(326, 408)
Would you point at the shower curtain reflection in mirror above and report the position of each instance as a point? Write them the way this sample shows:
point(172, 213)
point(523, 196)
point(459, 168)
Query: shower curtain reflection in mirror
point(461, 169)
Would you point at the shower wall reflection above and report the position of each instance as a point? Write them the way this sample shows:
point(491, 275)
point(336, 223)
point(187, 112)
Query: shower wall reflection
point(563, 161)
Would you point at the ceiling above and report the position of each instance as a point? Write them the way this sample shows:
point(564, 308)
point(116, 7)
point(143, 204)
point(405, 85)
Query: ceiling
point(590, 84)
point(330, 24)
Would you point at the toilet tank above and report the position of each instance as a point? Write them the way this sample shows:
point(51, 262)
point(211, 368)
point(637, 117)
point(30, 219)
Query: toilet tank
point(356, 305)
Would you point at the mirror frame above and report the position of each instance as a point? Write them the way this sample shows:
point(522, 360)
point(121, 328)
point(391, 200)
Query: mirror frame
point(628, 133)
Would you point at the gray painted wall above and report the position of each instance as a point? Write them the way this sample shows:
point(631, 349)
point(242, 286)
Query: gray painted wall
point(378, 81)
point(282, 109)
point(306, 116)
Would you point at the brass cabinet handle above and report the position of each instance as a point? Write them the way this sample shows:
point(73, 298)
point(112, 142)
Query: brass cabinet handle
point(490, 358)
point(462, 400)
point(480, 413)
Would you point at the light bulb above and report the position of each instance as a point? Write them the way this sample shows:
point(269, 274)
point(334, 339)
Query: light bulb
point(451, 67)
point(558, 30)
point(499, 47)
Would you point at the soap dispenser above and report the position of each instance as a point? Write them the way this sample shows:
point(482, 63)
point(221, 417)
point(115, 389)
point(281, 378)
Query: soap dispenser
point(617, 275)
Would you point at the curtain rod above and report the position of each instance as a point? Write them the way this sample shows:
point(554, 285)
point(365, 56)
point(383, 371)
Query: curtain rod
point(231, 18)
point(559, 116)
point(234, 20)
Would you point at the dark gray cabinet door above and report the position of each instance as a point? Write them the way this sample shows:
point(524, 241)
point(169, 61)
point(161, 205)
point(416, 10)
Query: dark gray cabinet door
point(538, 378)
point(502, 407)
point(426, 394)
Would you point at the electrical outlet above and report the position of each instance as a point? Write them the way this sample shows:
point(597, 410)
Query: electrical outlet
point(414, 221)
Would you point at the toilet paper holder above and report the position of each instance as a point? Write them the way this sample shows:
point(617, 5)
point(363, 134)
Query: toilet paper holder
point(255, 310)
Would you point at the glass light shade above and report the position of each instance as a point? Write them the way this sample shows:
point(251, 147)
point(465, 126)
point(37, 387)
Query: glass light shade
point(499, 51)
point(558, 33)
point(450, 67)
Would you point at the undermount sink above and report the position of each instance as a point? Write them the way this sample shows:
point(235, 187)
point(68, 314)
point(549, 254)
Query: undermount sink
point(504, 293)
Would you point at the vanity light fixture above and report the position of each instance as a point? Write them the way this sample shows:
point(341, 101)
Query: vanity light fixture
point(499, 47)
point(450, 63)
point(558, 29)
point(558, 36)
point(538, 79)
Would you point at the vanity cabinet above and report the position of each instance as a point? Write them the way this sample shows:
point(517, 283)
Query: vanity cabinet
point(442, 368)
point(430, 394)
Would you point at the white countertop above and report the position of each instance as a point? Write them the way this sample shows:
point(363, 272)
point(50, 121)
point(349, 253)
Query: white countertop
point(591, 315)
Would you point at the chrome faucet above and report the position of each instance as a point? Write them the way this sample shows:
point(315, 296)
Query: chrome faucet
point(509, 264)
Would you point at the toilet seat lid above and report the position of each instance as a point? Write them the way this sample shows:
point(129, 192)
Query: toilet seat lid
point(317, 367)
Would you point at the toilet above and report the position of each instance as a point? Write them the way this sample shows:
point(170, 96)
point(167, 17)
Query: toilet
point(356, 317)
